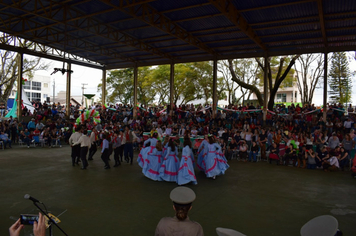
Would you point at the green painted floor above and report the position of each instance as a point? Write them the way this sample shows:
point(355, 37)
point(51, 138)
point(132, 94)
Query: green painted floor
point(253, 198)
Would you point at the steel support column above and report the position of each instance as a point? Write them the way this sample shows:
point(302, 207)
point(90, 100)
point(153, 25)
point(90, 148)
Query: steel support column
point(325, 93)
point(103, 88)
point(68, 92)
point(265, 89)
point(171, 89)
point(215, 78)
point(19, 84)
point(135, 92)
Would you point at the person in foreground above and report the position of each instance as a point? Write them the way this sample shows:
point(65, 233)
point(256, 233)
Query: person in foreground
point(39, 229)
point(180, 225)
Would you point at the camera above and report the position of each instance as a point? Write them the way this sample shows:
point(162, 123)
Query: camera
point(28, 219)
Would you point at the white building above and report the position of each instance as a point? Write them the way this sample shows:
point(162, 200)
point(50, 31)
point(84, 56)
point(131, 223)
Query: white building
point(38, 89)
point(288, 94)
point(61, 98)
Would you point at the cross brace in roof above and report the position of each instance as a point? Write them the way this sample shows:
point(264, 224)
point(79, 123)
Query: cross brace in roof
point(16, 44)
point(76, 19)
point(231, 12)
point(156, 19)
point(56, 39)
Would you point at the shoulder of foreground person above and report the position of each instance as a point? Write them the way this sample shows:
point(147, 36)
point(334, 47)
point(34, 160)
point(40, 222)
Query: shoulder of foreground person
point(188, 227)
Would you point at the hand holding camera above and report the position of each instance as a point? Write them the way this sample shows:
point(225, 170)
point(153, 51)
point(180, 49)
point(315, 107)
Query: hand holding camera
point(38, 222)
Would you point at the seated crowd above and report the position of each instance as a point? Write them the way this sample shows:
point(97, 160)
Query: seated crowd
point(291, 135)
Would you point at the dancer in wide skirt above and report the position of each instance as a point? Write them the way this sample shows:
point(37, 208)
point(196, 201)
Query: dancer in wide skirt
point(186, 172)
point(214, 161)
point(202, 152)
point(153, 163)
point(145, 151)
point(170, 165)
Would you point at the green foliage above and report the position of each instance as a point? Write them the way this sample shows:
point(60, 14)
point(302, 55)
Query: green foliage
point(191, 81)
point(119, 85)
point(275, 67)
point(339, 80)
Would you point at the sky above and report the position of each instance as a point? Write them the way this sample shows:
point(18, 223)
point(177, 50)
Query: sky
point(92, 77)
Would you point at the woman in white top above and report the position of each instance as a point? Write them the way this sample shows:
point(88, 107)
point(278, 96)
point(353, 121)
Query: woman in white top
point(248, 138)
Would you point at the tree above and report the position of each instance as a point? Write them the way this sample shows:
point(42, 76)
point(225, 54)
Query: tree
point(160, 79)
point(185, 85)
point(203, 77)
point(120, 86)
point(275, 77)
point(339, 79)
point(247, 72)
point(308, 78)
point(9, 71)
point(223, 68)
point(145, 93)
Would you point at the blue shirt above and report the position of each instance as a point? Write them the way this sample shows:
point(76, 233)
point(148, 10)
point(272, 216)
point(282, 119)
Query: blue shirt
point(31, 124)
point(105, 145)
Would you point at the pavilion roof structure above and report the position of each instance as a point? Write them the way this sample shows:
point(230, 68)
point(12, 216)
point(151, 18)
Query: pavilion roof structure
point(124, 33)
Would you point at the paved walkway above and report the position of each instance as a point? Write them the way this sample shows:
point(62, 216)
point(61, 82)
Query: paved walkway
point(254, 198)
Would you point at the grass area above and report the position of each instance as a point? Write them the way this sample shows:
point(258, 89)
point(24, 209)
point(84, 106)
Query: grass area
point(253, 198)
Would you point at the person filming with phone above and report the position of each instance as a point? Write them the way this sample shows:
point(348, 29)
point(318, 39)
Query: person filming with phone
point(39, 228)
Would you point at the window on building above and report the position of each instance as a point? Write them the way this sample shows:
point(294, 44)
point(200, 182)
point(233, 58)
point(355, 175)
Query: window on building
point(282, 97)
point(45, 96)
point(36, 85)
point(28, 94)
point(296, 96)
point(45, 85)
point(27, 85)
point(36, 96)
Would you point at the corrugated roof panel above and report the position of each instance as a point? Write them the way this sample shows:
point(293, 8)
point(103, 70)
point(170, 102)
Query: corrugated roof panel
point(280, 13)
point(342, 38)
point(231, 43)
point(112, 16)
point(340, 16)
point(167, 43)
point(144, 32)
point(164, 5)
point(202, 11)
point(220, 31)
point(285, 30)
point(92, 7)
point(341, 32)
point(340, 24)
point(178, 49)
point(236, 48)
point(332, 6)
point(182, 54)
point(314, 20)
point(315, 34)
point(212, 22)
point(229, 35)
point(128, 24)
point(242, 5)
point(158, 38)
point(295, 43)
point(343, 44)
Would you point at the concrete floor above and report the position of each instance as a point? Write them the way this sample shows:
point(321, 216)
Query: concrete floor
point(253, 198)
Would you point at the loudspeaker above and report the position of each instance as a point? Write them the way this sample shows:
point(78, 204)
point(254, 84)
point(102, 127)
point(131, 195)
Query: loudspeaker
point(48, 99)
